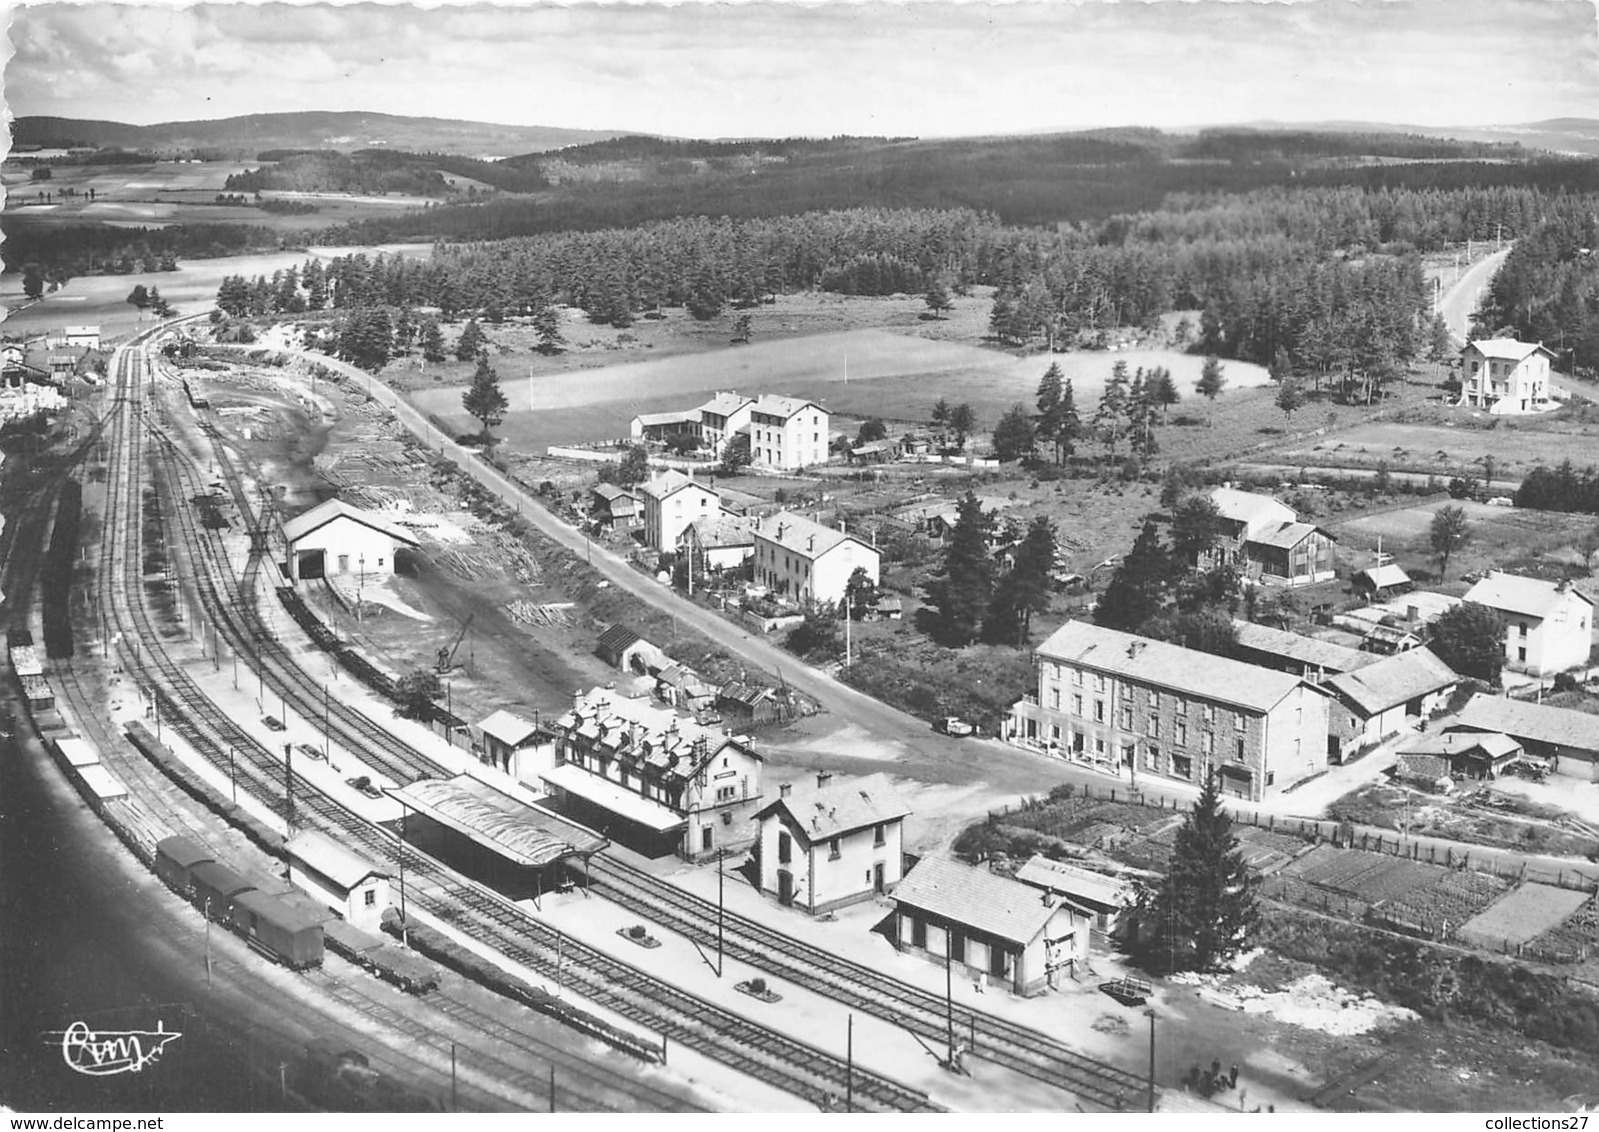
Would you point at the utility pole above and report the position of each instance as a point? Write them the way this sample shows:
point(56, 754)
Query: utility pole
point(849, 1066)
point(455, 1100)
point(405, 924)
point(949, 999)
point(288, 782)
point(233, 780)
point(326, 724)
point(848, 610)
point(1151, 1013)
point(207, 915)
point(719, 875)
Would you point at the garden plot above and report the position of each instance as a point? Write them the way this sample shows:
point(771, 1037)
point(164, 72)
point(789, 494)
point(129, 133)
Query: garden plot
point(1371, 877)
point(1441, 908)
point(1576, 935)
point(1522, 916)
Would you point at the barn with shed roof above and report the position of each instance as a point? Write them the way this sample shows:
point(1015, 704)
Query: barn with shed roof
point(334, 538)
point(1568, 739)
point(998, 930)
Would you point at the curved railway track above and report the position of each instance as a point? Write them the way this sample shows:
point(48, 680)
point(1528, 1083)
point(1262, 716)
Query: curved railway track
point(995, 1039)
point(651, 1002)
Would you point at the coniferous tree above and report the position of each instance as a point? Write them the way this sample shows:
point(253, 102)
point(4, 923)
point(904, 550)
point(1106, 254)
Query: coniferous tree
point(1110, 419)
point(1024, 590)
point(1203, 912)
point(1048, 400)
point(1290, 398)
point(1163, 390)
point(547, 325)
point(432, 339)
point(1212, 379)
point(484, 399)
point(962, 589)
point(1137, 590)
point(1014, 436)
point(938, 300)
point(470, 343)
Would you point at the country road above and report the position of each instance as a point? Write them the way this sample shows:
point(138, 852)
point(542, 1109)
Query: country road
point(1461, 300)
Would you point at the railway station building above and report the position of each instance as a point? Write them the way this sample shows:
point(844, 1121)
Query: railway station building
point(830, 843)
point(997, 930)
point(336, 539)
point(653, 779)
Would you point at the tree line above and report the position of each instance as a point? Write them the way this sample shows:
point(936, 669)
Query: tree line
point(1548, 288)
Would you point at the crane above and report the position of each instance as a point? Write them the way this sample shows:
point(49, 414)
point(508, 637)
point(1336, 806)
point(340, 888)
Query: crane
point(447, 653)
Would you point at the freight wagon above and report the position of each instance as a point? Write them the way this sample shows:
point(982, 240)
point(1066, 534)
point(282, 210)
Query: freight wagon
point(282, 932)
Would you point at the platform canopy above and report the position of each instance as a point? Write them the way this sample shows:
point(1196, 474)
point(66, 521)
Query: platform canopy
point(515, 830)
point(611, 796)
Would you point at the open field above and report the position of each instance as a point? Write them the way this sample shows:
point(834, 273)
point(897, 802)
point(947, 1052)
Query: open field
point(1523, 915)
point(856, 373)
point(169, 192)
point(1516, 445)
point(102, 299)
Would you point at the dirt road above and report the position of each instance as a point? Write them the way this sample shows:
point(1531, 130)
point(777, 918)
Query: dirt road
point(1461, 300)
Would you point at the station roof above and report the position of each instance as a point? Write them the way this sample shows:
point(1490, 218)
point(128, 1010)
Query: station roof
point(515, 830)
point(321, 853)
point(610, 796)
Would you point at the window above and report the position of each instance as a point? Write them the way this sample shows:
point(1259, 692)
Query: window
point(1209, 744)
point(1152, 727)
point(371, 898)
point(1240, 748)
point(1151, 757)
point(1099, 681)
point(1182, 766)
point(1099, 746)
point(1182, 733)
point(1271, 778)
point(1154, 699)
point(1099, 711)
point(1127, 717)
point(879, 834)
point(1054, 699)
point(1182, 706)
point(785, 848)
point(832, 850)
point(1239, 721)
point(957, 947)
point(1522, 626)
point(1521, 654)
point(1054, 734)
point(1077, 677)
point(918, 932)
point(1210, 714)
point(1077, 705)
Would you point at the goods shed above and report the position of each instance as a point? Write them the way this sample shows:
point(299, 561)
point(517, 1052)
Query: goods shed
point(334, 538)
point(996, 929)
point(482, 830)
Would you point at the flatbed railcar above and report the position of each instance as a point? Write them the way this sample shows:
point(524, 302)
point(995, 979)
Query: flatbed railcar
point(406, 971)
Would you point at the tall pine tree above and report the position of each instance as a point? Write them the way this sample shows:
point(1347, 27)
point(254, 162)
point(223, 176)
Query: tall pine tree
point(1048, 400)
point(961, 590)
point(484, 399)
point(1204, 910)
point(1137, 590)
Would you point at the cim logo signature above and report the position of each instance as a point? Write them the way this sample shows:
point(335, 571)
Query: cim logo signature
point(105, 1053)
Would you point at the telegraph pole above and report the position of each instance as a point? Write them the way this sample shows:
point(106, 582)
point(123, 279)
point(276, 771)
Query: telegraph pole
point(1151, 1013)
point(288, 782)
point(849, 1066)
point(719, 874)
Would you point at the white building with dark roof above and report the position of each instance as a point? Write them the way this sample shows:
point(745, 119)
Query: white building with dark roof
point(723, 417)
point(832, 842)
point(1117, 700)
point(787, 433)
point(506, 738)
point(1503, 375)
point(340, 878)
point(334, 538)
point(998, 930)
point(799, 558)
point(1549, 625)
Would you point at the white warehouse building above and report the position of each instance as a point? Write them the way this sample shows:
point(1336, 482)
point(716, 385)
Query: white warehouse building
point(334, 538)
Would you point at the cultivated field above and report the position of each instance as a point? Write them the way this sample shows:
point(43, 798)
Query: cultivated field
point(1516, 445)
point(856, 373)
point(1522, 916)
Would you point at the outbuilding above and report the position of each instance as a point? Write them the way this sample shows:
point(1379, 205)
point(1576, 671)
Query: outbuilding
point(1106, 897)
point(1381, 699)
point(1567, 739)
point(505, 734)
point(342, 880)
point(996, 929)
point(334, 538)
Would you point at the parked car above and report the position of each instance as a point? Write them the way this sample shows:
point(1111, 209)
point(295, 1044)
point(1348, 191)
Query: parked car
point(955, 727)
point(273, 723)
point(365, 785)
point(309, 751)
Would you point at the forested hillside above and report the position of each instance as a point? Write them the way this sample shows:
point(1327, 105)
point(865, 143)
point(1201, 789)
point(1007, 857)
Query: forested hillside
point(1548, 289)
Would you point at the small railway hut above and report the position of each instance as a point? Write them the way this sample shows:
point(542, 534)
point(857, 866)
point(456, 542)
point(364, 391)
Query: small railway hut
point(334, 538)
point(996, 930)
point(337, 877)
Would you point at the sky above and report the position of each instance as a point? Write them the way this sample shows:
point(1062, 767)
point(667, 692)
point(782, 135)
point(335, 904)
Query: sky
point(760, 68)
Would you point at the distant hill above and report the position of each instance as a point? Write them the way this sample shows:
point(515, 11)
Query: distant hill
point(321, 129)
point(1559, 135)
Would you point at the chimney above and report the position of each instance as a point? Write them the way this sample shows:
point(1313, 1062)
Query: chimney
point(823, 777)
point(785, 790)
point(810, 542)
point(1044, 896)
point(780, 529)
point(577, 700)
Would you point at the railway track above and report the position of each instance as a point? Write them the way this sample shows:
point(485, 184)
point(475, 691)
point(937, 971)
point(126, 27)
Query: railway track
point(653, 1003)
point(993, 1039)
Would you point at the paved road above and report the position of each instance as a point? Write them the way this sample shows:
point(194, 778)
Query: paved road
point(1460, 301)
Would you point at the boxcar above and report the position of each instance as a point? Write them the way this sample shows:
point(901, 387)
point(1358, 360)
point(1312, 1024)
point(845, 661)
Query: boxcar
point(175, 860)
point(215, 886)
point(286, 934)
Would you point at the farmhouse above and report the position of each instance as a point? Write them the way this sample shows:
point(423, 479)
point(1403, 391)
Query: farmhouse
point(1263, 538)
point(1549, 625)
point(787, 433)
point(1568, 739)
point(664, 783)
point(1382, 699)
point(1307, 657)
point(334, 538)
point(671, 502)
point(799, 558)
point(1503, 375)
point(997, 930)
point(1115, 699)
point(831, 844)
point(352, 886)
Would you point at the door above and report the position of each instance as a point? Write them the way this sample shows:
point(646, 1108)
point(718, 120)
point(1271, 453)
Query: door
point(344, 563)
point(309, 564)
point(785, 886)
point(706, 836)
point(879, 878)
point(996, 961)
